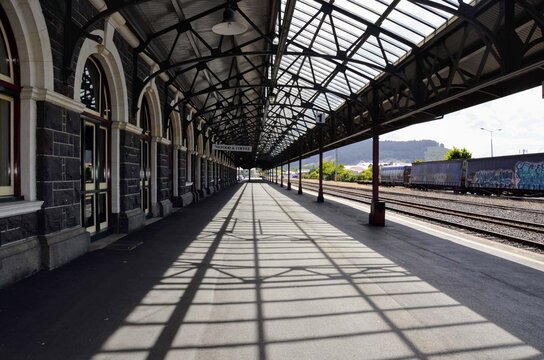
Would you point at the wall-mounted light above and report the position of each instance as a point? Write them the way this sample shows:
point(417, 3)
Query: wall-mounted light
point(229, 26)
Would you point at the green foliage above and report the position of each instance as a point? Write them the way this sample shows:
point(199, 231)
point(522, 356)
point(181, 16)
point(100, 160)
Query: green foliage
point(343, 174)
point(365, 175)
point(457, 153)
point(346, 175)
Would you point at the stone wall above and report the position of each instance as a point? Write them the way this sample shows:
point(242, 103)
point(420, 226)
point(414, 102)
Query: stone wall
point(129, 169)
point(58, 160)
point(18, 227)
point(182, 171)
point(164, 182)
point(54, 14)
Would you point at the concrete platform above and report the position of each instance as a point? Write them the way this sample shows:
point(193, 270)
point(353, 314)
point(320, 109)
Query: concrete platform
point(259, 272)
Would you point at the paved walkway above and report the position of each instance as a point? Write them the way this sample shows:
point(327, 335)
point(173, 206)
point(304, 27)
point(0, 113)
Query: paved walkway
point(257, 272)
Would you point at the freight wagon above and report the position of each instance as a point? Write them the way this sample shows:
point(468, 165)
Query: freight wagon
point(395, 175)
point(446, 174)
point(514, 174)
point(517, 174)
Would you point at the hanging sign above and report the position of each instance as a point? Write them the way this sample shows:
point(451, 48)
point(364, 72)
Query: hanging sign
point(235, 148)
point(320, 118)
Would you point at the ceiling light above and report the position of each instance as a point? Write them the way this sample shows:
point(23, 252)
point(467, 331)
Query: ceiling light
point(272, 96)
point(229, 26)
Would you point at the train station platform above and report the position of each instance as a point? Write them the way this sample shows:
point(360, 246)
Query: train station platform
point(259, 272)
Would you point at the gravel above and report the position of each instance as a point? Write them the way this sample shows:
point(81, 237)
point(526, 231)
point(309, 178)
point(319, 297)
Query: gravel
point(523, 210)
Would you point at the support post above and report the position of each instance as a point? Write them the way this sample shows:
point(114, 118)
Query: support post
point(276, 175)
point(281, 175)
point(249, 178)
point(289, 175)
point(300, 174)
point(320, 197)
point(377, 208)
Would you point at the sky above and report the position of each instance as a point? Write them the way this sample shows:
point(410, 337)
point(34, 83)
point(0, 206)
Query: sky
point(520, 116)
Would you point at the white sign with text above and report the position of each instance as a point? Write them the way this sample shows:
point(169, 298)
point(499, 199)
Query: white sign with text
point(236, 148)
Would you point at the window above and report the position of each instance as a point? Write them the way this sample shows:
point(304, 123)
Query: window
point(145, 118)
point(94, 92)
point(9, 94)
point(170, 129)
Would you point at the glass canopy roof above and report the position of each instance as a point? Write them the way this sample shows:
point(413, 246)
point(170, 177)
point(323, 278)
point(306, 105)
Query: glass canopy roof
point(333, 50)
point(301, 58)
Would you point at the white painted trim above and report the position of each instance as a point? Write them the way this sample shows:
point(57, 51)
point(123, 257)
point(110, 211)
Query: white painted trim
point(19, 208)
point(115, 137)
point(27, 146)
point(126, 126)
point(165, 141)
point(111, 62)
point(152, 95)
point(200, 144)
point(33, 45)
point(52, 98)
point(190, 136)
point(176, 125)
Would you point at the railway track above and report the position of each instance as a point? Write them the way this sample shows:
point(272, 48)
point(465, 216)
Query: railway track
point(495, 226)
point(461, 199)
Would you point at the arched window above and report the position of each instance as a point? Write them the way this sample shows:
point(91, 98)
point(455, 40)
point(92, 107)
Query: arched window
point(94, 89)
point(145, 117)
point(170, 129)
point(9, 94)
point(95, 134)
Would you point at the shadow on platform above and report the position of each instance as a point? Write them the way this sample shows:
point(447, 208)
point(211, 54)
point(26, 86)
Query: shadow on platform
point(258, 272)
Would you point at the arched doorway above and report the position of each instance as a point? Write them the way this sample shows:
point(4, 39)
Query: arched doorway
point(95, 149)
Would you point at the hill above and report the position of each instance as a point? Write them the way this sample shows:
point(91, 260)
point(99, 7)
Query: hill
point(390, 151)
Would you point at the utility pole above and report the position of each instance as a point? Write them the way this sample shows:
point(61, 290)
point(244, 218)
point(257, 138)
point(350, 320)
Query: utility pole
point(491, 134)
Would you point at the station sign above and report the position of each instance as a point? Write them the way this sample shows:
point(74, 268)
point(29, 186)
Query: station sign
point(234, 148)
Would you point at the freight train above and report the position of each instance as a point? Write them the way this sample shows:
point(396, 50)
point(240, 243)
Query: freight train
point(510, 175)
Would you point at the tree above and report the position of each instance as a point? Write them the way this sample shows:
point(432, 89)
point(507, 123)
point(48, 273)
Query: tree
point(456, 153)
point(366, 175)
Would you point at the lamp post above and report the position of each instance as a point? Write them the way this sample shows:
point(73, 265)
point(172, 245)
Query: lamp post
point(491, 134)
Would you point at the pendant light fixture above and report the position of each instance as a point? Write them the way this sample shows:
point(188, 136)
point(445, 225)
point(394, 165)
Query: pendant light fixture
point(229, 26)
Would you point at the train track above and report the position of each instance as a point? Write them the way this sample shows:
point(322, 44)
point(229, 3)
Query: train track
point(460, 200)
point(429, 212)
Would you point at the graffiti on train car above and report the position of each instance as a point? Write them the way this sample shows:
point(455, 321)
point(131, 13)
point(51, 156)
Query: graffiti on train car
point(529, 175)
point(499, 178)
point(439, 178)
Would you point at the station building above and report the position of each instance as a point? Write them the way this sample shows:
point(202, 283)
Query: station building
point(76, 162)
point(110, 109)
